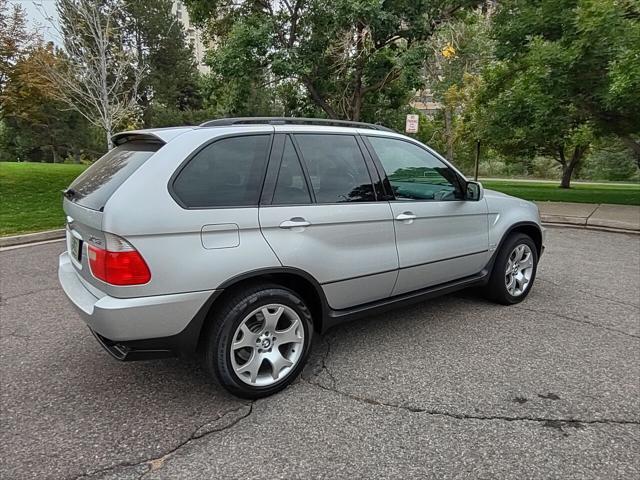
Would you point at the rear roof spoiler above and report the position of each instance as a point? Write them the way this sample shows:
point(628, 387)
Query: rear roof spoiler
point(125, 137)
point(163, 135)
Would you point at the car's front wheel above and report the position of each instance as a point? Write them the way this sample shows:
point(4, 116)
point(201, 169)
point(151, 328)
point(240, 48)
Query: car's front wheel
point(259, 340)
point(514, 270)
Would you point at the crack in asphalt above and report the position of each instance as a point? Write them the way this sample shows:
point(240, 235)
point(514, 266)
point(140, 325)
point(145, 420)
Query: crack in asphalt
point(156, 463)
point(3, 299)
point(609, 299)
point(15, 334)
point(325, 368)
point(577, 320)
point(552, 422)
point(557, 423)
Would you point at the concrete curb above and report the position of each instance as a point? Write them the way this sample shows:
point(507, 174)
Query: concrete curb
point(564, 220)
point(31, 238)
point(610, 225)
point(594, 228)
point(596, 216)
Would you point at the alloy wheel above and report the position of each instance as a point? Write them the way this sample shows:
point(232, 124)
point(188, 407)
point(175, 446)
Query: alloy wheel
point(519, 270)
point(267, 345)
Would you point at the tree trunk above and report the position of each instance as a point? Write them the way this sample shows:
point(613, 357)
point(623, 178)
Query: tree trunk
point(569, 167)
point(110, 144)
point(318, 99)
point(356, 100)
point(567, 172)
point(448, 132)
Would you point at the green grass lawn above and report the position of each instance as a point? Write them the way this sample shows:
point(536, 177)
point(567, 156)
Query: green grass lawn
point(30, 195)
point(31, 200)
point(579, 192)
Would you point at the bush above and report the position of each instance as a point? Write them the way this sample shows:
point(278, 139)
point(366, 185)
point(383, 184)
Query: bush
point(546, 168)
point(611, 163)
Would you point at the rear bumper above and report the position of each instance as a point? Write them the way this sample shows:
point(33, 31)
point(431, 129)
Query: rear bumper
point(138, 320)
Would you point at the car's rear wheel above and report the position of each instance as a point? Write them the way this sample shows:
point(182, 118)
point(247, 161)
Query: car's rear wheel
point(259, 340)
point(514, 270)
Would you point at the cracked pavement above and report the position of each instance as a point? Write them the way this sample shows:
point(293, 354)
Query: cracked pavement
point(453, 388)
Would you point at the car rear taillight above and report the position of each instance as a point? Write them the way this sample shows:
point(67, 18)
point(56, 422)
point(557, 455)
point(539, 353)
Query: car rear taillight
point(119, 264)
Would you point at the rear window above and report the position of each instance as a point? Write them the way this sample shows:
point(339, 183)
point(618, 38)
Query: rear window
point(95, 186)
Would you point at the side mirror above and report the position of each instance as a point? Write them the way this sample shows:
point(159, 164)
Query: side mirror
point(474, 191)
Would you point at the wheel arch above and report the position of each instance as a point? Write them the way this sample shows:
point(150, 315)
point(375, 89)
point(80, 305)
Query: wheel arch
point(294, 279)
point(531, 229)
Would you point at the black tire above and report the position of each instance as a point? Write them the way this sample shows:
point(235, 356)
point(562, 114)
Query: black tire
point(225, 321)
point(496, 289)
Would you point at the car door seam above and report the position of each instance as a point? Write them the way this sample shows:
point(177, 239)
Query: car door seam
point(265, 238)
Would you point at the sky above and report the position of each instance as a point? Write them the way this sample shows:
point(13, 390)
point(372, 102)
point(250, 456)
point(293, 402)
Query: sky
point(35, 10)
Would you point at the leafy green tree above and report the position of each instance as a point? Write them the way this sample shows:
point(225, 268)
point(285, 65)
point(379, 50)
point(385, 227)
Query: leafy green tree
point(460, 50)
point(15, 40)
point(159, 41)
point(353, 58)
point(607, 66)
point(561, 78)
point(37, 126)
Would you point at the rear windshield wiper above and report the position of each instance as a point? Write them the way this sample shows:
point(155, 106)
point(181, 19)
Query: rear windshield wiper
point(70, 193)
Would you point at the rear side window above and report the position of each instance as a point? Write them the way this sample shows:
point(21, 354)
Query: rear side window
point(336, 167)
point(227, 172)
point(97, 183)
point(291, 187)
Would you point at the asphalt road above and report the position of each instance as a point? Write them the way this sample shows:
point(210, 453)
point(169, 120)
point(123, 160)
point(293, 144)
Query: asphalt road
point(454, 388)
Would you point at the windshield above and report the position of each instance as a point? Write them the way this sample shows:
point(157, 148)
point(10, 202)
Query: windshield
point(95, 186)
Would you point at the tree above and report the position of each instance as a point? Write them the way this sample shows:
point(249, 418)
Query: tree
point(98, 77)
point(565, 74)
point(15, 40)
point(37, 126)
point(461, 49)
point(345, 54)
point(159, 41)
point(607, 66)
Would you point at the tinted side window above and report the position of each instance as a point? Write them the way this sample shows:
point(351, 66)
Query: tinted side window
point(291, 187)
point(413, 172)
point(225, 173)
point(336, 168)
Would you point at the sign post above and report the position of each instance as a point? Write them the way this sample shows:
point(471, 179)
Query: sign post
point(412, 123)
point(475, 177)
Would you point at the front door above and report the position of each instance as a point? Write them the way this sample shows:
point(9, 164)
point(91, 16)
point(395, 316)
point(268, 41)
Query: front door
point(440, 236)
point(327, 222)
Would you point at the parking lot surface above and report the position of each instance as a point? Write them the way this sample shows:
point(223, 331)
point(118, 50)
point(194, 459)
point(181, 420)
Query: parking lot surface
point(453, 388)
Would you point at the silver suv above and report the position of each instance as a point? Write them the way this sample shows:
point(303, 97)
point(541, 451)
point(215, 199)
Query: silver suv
point(240, 238)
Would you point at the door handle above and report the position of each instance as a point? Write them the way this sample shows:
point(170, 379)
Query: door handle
point(406, 216)
point(295, 222)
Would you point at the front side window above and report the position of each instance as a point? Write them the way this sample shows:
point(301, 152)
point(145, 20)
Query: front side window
point(414, 173)
point(336, 168)
point(227, 172)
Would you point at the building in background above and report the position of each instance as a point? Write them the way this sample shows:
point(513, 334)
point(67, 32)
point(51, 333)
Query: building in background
point(425, 103)
point(194, 35)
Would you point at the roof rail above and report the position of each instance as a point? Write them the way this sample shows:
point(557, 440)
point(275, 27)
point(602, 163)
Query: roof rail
point(220, 122)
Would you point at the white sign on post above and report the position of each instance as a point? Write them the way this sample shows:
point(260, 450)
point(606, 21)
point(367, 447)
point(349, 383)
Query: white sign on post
point(412, 123)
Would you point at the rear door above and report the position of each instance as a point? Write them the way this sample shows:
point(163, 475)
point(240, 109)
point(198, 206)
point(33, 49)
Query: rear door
point(320, 214)
point(440, 236)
